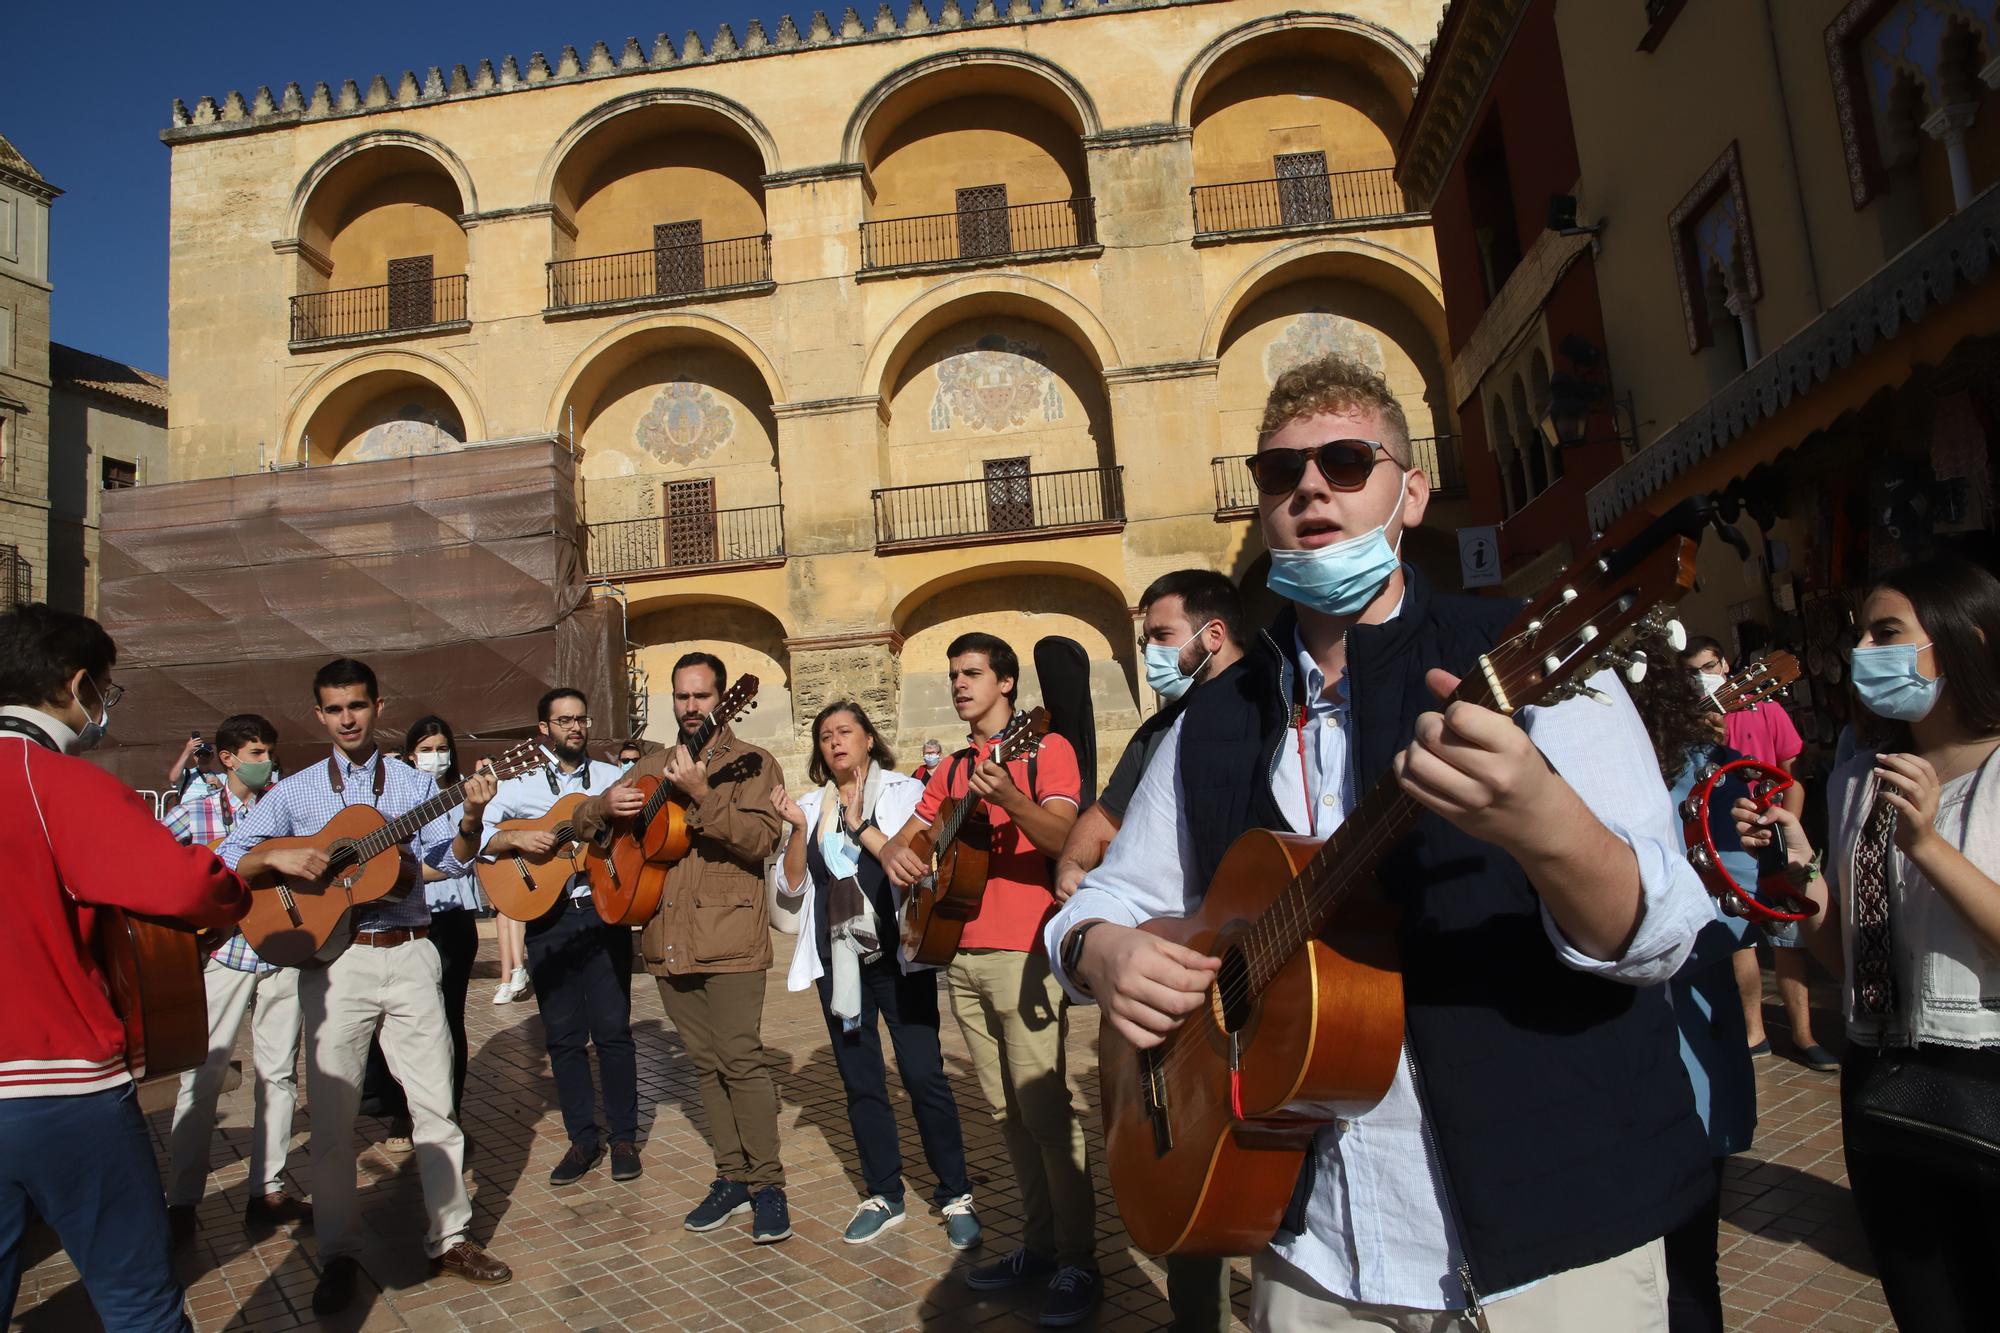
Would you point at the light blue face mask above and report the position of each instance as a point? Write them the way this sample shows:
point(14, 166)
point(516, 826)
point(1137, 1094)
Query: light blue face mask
point(1163, 667)
point(1886, 678)
point(1341, 579)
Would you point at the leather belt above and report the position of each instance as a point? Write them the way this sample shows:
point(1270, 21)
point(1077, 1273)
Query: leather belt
point(389, 939)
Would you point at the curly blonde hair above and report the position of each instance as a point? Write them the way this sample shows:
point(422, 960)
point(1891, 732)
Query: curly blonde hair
point(1336, 384)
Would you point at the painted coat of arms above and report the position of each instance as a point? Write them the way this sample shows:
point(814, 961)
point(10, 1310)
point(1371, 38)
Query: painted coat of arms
point(416, 431)
point(1320, 333)
point(686, 421)
point(994, 384)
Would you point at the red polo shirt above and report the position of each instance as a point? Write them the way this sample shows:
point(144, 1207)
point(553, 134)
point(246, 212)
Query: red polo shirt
point(1018, 900)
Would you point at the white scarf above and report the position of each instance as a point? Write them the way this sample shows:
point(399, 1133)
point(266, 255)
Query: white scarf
point(850, 917)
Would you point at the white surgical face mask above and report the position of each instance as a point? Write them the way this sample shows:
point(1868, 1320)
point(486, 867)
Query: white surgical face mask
point(433, 762)
point(1710, 682)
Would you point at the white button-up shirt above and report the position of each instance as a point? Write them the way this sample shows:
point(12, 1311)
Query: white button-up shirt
point(534, 794)
point(303, 803)
point(1378, 1228)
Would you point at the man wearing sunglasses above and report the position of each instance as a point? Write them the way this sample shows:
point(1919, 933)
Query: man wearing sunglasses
point(1539, 1136)
point(581, 964)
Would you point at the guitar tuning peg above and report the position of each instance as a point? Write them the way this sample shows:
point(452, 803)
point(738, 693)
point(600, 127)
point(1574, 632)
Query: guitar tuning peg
point(1595, 695)
point(1677, 636)
point(1635, 666)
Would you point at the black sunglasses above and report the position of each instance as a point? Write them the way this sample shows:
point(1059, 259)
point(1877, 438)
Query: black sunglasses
point(1346, 465)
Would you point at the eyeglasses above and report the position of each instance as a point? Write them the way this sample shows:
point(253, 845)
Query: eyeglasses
point(1346, 465)
point(571, 721)
point(111, 694)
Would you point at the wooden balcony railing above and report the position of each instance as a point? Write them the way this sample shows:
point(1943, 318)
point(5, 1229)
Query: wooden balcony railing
point(1437, 455)
point(1298, 201)
point(992, 234)
point(394, 307)
point(662, 273)
point(682, 542)
point(1000, 508)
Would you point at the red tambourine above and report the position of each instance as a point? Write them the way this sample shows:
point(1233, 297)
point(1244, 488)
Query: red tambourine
point(1776, 901)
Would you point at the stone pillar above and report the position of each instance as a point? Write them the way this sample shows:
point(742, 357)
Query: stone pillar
point(1950, 126)
point(867, 668)
point(1739, 306)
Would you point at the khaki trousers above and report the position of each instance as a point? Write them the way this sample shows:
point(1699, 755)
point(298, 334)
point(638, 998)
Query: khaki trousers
point(1009, 1006)
point(274, 1034)
point(720, 1016)
point(1624, 1294)
point(399, 992)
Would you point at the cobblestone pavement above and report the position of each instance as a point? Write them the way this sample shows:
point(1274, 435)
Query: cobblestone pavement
point(607, 1256)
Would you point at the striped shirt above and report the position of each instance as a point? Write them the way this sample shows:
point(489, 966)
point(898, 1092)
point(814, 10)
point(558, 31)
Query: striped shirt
point(458, 893)
point(305, 802)
point(206, 816)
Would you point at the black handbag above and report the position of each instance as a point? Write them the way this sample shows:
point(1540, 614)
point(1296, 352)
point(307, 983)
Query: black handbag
point(1943, 1101)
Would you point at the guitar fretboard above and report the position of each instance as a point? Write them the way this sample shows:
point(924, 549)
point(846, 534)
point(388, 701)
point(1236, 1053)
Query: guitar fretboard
point(658, 800)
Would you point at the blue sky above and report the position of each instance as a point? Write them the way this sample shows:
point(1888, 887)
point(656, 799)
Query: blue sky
point(89, 108)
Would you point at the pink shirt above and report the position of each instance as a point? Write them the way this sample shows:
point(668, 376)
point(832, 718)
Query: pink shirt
point(1765, 733)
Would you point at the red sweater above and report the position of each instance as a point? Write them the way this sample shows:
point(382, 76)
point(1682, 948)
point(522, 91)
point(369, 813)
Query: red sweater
point(75, 840)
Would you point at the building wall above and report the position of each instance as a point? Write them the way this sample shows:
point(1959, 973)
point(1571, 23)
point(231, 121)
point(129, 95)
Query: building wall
point(1141, 351)
point(86, 430)
point(24, 376)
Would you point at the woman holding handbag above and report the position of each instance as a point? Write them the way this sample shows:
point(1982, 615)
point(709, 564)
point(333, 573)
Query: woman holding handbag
point(848, 945)
point(1914, 861)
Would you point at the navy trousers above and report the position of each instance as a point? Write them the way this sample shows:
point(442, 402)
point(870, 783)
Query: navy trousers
point(582, 970)
point(85, 1164)
point(910, 1006)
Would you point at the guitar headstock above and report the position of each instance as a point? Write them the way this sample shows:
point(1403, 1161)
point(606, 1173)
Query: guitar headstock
point(737, 699)
point(524, 757)
point(1759, 681)
point(1021, 737)
point(1587, 621)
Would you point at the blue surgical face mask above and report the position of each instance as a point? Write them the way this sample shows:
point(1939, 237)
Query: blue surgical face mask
point(1163, 666)
point(93, 727)
point(1341, 579)
point(1886, 678)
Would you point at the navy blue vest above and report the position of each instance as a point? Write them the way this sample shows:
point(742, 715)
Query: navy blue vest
point(1563, 1117)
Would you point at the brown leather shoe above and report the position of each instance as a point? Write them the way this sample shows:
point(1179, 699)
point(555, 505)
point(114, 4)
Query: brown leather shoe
point(470, 1260)
point(269, 1211)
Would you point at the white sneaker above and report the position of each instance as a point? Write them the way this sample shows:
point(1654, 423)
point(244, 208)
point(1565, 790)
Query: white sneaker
point(519, 981)
point(507, 991)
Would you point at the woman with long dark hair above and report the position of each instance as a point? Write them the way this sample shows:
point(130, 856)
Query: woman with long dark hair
point(848, 944)
point(1914, 864)
point(455, 903)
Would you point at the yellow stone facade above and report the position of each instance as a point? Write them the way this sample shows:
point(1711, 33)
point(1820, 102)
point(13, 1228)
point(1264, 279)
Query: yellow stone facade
point(867, 336)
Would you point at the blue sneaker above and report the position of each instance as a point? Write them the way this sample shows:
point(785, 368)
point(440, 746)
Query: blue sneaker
point(726, 1198)
point(961, 1224)
point(1072, 1296)
point(875, 1216)
point(1023, 1265)
point(773, 1221)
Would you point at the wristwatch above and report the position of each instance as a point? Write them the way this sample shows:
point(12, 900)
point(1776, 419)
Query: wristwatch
point(469, 828)
point(1072, 952)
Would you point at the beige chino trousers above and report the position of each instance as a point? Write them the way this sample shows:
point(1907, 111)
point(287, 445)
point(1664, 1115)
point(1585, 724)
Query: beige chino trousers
point(275, 1044)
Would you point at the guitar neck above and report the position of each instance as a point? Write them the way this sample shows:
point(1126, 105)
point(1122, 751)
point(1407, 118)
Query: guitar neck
point(948, 831)
point(405, 826)
point(658, 799)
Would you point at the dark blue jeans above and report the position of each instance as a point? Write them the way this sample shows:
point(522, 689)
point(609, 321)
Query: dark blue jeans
point(582, 970)
point(86, 1165)
point(910, 1004)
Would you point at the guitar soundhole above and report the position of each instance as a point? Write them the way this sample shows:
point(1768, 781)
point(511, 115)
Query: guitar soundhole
point(1232, 990)
point(339, 858)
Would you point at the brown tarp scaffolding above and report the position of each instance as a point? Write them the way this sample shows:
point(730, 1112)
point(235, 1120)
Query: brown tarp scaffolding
point(458, 577)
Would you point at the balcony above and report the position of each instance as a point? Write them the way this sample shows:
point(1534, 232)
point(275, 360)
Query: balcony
point(1011, 506)
point(1236, 494)
point(17, 579)
point(378, 314)
point(662, 275)
point(1244, 209)
point(978, 236)
point(686, 543)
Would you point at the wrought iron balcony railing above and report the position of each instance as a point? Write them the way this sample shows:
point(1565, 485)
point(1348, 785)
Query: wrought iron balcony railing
point(1298, 201)
point(1000, 507)
point(662, 273)
point(991, 234)
point(1437, 455)
point(682, 542)
point(393, 307)
point(17, 579)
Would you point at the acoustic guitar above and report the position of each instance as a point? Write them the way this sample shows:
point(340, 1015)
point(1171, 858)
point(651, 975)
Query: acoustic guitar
point(153, 969)
point(957, 846)
point(525, 887)
point(628, 860)
point(1206, 1132)
point(293, 921)
point(1755, 683)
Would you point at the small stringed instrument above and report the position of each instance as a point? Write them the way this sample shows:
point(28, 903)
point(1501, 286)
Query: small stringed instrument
point(957, 846)
point(628, 860)
point(1755, 683)
point(1205, 1133)
point(525, 887)
point(154, 971)
point(291, 921)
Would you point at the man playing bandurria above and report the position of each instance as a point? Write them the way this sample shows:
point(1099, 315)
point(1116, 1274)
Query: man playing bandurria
point(709, 945)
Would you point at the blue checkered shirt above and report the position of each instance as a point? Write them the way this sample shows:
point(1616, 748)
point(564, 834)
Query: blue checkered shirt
point(204, 815)
point(304, 802)
point(535, 793)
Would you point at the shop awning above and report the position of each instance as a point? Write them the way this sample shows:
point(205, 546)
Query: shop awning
point(1943, 288)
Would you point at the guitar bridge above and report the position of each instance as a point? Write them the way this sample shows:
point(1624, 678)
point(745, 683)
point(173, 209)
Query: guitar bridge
point(1152, 1071)
point(527, 880)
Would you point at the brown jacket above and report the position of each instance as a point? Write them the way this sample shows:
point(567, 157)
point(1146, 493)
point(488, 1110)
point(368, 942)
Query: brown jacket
point(714, 915)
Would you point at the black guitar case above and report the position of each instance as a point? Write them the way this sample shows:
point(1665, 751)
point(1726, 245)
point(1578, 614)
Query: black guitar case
point(1064, 670)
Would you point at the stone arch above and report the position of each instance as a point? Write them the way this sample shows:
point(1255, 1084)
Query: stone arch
point(1385, 54)
point(1012, 294)
point(1501, 436)
point(733, 112)
point(689, 326)
point(348, 150)
point(352, 380)
point(1014, 70)
point(1370, 262)
point(750, 639)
